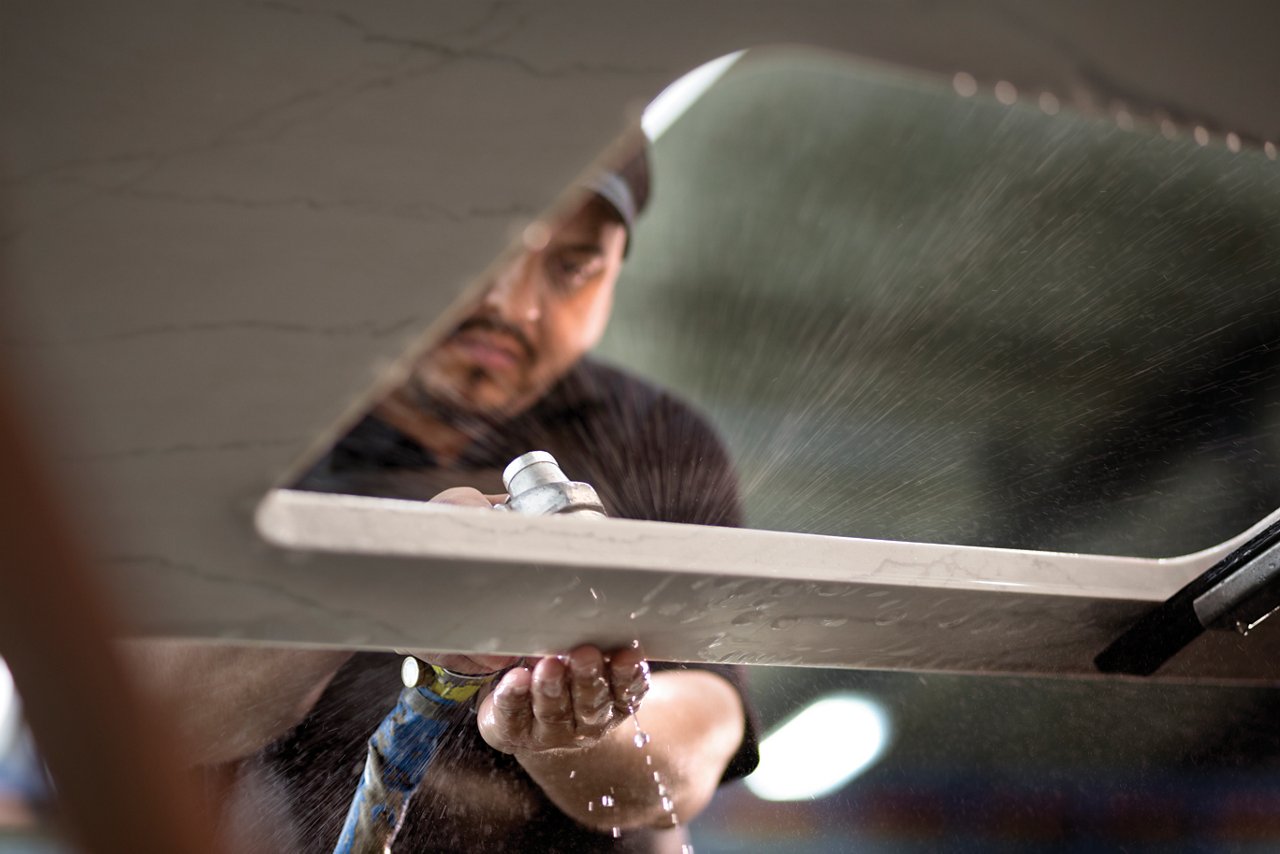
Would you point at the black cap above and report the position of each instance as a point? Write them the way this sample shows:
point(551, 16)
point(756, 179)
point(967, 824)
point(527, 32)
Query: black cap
point(626, 186)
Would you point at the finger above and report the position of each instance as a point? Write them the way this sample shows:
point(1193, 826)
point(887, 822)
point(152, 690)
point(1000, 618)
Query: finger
point(462, 496)
point(510, 716)
point(552, 703)
point(592, 694)
point(629, 676)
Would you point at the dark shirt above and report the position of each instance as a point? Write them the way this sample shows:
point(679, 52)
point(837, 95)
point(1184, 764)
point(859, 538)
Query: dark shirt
point(649, 456)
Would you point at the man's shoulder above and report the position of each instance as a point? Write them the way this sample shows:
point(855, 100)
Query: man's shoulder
point(594, 377)
point(652, 456)
point(614, 390)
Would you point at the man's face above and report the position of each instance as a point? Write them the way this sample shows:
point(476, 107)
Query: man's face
point(542, 312)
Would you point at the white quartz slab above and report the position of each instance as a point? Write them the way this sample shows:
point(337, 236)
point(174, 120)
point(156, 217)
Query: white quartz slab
point(502, 582)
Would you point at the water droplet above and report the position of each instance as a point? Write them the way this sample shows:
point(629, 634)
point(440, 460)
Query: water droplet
point(648, 760)
point(572, 774)
point(617, 832)
point(640, 740)
point(662, 790)
point(675, 819)
point(1270, 149)
point(888, 619)
point(784, 622)
point(606, 801)
point(965, 85)
point(591, 806)
point(832, 622)
point(594, 594)
point(686, 848)
point(1006, 92)
point(1233, 142)
point(984, 625)
point(657, 778)
point(1201, 134)
point(1049, 103)
point(631, 616)
point(667, 804)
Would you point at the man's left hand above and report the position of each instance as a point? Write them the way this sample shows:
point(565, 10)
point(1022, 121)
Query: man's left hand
point(564, 702)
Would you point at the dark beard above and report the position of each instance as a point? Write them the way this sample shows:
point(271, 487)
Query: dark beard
point(476, 425)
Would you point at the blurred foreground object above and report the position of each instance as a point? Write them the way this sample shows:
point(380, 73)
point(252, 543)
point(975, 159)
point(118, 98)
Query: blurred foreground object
point(119, 788)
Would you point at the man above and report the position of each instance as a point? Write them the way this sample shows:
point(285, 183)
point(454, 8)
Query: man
point(554, 756)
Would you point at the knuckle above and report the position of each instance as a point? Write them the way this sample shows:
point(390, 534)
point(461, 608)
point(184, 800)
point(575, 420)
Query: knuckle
point(558, 715)
point(591, 686)
point(597, 717)
point(511, 696)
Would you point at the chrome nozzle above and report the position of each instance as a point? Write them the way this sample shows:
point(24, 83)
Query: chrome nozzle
point(537, 486)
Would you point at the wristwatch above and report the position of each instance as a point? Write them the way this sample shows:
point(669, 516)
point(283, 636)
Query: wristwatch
point(446, 685)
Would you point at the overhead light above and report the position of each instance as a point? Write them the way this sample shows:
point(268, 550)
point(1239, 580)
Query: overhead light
point(820, 748)
point(9, 713)
point(680, 95)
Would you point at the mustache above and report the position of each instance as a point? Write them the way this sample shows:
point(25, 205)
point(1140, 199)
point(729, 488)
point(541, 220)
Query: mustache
point(495, 324)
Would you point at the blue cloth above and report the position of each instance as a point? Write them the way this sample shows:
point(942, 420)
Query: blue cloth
point(400, 751)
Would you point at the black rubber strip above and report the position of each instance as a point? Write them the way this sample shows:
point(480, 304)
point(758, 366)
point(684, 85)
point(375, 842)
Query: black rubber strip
point(1163, 632)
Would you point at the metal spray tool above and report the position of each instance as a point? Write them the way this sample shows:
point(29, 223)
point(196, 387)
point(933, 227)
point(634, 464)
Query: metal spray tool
point(537, 486)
